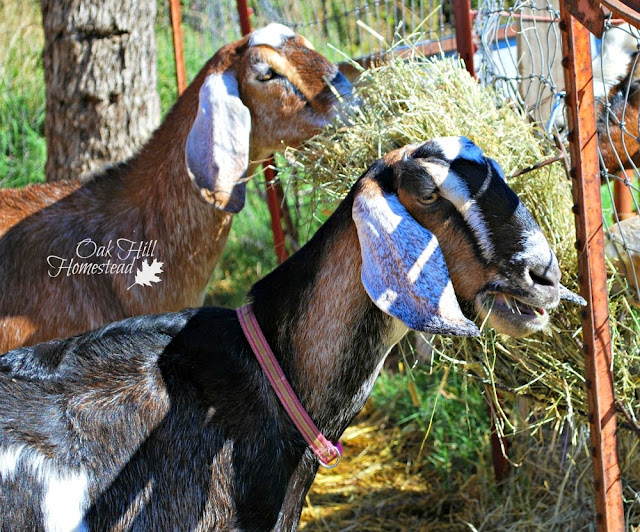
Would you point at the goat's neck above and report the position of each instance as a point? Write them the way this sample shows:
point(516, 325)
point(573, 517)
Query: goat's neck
point(326, 332)
point(159, 189)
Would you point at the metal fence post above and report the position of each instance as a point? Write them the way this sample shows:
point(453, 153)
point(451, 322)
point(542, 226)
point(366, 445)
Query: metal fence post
point(590, 245)
point(464, 37)
point(178, 53)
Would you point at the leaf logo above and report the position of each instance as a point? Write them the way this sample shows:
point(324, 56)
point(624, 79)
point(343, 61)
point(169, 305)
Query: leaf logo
point(148, 274)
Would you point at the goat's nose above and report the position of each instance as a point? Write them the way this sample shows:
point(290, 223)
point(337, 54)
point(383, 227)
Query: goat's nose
point(545, 275)
point(341, 84)
point(545, 278)
point(345, 89)
point(350, 104)
point(538, 263)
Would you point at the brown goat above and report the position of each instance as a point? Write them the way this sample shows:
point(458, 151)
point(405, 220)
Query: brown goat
point(617, 126)
point(69, 252)
point(617, 90)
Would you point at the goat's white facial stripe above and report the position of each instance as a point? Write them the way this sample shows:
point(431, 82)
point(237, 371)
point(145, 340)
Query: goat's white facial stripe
point(453, 187)
point(450, 147)
point(65, 492)
point(272, 35)
point(537, 251)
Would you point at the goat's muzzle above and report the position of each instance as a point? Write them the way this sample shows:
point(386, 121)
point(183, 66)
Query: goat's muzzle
point(349, 103)
point(520, 307)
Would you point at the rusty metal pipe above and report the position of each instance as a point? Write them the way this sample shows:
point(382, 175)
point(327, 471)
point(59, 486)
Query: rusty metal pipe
point(178, 52)
point(462, 16)
point(590, 245)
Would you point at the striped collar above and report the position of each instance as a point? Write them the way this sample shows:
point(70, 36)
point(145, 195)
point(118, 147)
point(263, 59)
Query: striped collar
point(326, 451)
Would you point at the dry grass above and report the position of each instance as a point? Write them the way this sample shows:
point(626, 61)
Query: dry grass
point(408, 101)
point(385, 483)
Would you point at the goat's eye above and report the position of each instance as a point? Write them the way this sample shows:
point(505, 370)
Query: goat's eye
point(266, 75)
point(429, 199)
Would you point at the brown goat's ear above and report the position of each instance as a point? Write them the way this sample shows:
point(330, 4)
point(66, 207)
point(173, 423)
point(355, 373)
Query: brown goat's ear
point(403, 269)
point(217, 150)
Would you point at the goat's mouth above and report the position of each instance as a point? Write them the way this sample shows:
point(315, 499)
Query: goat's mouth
point(511, 315)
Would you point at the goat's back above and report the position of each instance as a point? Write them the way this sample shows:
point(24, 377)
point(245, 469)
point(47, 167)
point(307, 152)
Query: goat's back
point(36, 223)
point(153, 423)
point(17, 204)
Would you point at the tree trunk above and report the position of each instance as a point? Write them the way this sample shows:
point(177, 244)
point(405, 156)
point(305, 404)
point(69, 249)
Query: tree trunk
point(100, 74)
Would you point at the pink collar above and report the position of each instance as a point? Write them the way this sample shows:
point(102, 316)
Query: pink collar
point(326, 451)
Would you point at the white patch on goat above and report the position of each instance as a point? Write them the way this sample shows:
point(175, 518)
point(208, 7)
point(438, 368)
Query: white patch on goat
point(453, 187)
point(32, 460)
point(9, 461)
point(65, 492)
point(619, 43)
point(536, 250)
point(272, 35)
point(64, 502)
point(386, 299)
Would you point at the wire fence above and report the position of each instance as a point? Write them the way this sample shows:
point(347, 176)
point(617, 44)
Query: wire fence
point(520, 51)
point(520, 54)
point(354, 28)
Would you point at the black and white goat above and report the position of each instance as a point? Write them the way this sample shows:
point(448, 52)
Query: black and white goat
point(167, 422)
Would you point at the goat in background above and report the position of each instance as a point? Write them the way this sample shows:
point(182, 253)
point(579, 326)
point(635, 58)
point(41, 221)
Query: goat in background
point(167, 422)
point(616, 87)
point(174, 199)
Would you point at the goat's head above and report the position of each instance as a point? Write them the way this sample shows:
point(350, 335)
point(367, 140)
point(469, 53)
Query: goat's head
point(265, 90)
point(438, 227)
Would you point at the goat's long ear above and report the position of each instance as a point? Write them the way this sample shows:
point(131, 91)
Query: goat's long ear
point(403, 269)
point(217, 150)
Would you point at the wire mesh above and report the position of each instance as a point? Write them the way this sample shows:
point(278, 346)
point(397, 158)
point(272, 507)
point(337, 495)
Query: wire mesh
point(520, 54)
point(345, 24)
point(617, 100)
point(356, 28)
point(520, 49)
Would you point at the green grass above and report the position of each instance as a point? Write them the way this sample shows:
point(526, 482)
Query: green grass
point(22, 96)
point(446, 406)
point(248, 254)
point(22, 143)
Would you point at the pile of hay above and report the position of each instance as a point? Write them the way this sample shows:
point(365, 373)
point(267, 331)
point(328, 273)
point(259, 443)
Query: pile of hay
point(411, 100)
point(386, 483)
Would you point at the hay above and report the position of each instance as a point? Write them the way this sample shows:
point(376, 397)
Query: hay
point(385, 483)
point(411, 100)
